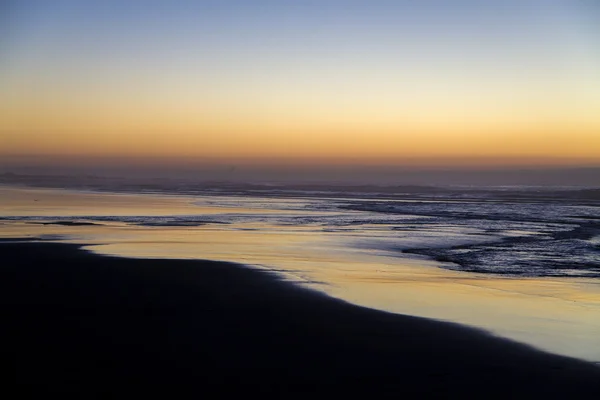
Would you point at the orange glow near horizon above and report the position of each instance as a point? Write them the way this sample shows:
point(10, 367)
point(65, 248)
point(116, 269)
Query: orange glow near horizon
point(496, 148)
point(366, 124)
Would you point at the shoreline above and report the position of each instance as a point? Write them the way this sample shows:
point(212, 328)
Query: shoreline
point(557, 315)
point(79, 320)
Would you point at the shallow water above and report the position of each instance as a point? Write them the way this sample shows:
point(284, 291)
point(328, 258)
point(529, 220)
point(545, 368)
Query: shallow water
point(526, 271)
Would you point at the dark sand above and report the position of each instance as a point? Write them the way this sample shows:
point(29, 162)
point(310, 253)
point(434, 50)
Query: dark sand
point(88, 324)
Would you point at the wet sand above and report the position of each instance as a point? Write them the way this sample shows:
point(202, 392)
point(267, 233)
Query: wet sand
point(90, 324)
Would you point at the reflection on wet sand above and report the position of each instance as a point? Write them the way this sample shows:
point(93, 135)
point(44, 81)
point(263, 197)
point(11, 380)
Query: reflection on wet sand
point(556, 314)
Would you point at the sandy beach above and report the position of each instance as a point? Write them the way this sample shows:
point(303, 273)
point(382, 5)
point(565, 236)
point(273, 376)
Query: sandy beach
point(81, 323)
point(350, 255)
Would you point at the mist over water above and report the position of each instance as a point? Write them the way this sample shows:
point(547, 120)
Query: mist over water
point(291, 173)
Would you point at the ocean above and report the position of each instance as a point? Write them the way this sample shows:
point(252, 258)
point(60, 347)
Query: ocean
point(520, 262)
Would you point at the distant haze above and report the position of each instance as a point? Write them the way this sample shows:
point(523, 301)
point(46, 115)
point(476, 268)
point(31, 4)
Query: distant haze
point(289, 173)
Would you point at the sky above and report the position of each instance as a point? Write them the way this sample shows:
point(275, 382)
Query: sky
point(373, 82)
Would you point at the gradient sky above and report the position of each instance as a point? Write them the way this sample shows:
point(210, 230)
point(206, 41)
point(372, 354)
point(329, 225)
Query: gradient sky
point(507, 81)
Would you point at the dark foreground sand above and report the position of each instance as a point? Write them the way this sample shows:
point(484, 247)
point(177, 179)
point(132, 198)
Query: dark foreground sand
point(88, 324)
